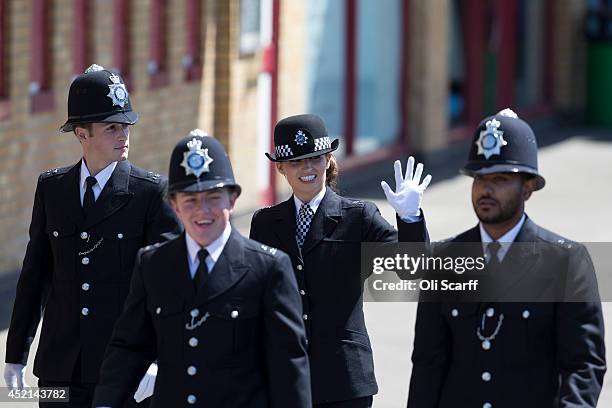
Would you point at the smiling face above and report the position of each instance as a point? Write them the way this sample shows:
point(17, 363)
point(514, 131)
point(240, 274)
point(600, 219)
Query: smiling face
point(306, 177)
point(499, 198)
point(104, 143)
point(204, 214)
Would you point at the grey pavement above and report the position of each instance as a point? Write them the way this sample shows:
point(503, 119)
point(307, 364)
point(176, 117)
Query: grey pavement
point(575, 203)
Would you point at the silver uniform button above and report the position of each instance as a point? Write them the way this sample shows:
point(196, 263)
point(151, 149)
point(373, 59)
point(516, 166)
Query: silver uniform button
point(191, 399)
point(194, 313)
point(158, 310)
point(120, 235)
point(454, 312)
point(84, 235)
point(487, 405)
point(526, 314)
point(486, 376)
point(85, 286)
point(299, 267)
point(55, 233)
point(84, 311)
point(191, 370)
point(234, 314)
point(302, 292)
point(193, 342)
point(490, 312)
point(85, 261)
point(305, 316)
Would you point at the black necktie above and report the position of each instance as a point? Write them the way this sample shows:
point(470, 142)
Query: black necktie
point(201, 274)
point(493, 249)
point(89, 198)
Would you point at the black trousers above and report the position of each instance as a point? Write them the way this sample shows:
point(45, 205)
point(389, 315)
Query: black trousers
point(80, 393)
point(364, 402)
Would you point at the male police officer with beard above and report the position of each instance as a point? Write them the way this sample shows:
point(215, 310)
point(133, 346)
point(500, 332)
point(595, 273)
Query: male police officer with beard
point(221, 313)
point(521, 354)
point(88, 222)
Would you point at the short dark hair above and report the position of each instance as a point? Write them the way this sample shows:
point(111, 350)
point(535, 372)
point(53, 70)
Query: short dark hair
point(85, 125)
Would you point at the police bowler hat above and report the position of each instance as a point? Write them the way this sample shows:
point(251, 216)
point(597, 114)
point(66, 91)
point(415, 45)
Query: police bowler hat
point(299, 137)
point(504, 143)
point(98, 95)
point(199, 163)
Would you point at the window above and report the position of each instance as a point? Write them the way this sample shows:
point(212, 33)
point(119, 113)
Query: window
point(121, 40)
point(324, 64)
point(249, 26)
point(80, 38)
point(157, 67)
point(192, 60)
point(41, 97)
point(4, 61)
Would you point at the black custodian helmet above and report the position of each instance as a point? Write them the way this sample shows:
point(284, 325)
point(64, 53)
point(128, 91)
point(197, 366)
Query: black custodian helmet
point(504, 143)
point(299, 137)
point(98, 95)
point(199, 163)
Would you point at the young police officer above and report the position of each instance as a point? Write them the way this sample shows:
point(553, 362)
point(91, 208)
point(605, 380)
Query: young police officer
point(322, 232)
point(88, 222)
point(220, 312)
point(501, 355)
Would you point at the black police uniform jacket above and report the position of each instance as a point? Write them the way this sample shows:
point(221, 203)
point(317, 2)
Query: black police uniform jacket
point(237, 342)
point(330, 282)
point(77, 271)
point(545, 354)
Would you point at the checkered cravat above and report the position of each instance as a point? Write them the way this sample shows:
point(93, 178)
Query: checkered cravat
point(303, 223)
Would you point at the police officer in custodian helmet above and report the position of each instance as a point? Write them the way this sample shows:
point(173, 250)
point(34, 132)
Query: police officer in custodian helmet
point(88, 222)
point(220, 313)
point(524, 348)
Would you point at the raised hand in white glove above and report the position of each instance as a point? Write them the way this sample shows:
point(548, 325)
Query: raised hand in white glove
point(14, 376)
point(408, 194)
point(147, 384)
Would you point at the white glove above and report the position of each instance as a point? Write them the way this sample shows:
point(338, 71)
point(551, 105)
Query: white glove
point(408, 194)
point(147, 384)
point(14, 376)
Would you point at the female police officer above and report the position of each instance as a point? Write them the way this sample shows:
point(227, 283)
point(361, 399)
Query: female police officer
point(220, 312)
point(322, 232)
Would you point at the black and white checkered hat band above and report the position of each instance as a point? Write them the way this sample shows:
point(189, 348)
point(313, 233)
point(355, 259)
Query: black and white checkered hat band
point(322, 143)
point(283, 151)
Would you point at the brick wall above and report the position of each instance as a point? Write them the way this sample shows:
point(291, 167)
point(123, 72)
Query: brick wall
point(224, 102)
point(32, 143)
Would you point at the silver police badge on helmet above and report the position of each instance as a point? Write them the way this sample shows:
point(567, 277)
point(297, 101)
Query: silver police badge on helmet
point(196, 161)
point(117, 93)
point(491, 139)
point(301, 138)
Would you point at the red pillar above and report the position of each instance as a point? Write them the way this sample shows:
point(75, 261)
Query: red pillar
point(350, 62)
point(473, 17)
point(506, 53)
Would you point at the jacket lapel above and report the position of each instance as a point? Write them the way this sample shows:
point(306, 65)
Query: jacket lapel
point(71, 189)
point(114, 195)
point(284, 228)
point(324, 221)
point(181, 281)
point(229, 269)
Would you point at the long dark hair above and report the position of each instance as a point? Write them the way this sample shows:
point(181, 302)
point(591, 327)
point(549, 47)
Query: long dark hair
point(331, 174)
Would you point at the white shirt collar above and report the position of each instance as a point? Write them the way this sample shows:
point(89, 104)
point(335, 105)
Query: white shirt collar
point(314, 203)
point(102, 177)
point(214, 248)
point(505, 240)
